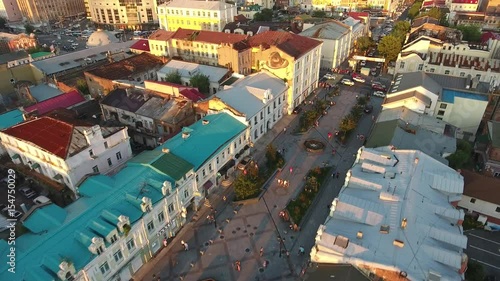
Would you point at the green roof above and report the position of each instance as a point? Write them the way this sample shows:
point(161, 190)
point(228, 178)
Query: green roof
point(10, 118)
point(382, 133)
point(40, 54)
point(166, 163)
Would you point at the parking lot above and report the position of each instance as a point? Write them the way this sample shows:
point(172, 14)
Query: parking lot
point(484, 247)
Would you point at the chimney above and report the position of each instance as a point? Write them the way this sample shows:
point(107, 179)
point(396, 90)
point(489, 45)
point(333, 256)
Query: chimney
point(205, 122)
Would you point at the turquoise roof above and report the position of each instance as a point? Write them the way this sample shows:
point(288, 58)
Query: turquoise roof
point(167, 163)
point(10, 118)
point(67, 233)
point(205, 140)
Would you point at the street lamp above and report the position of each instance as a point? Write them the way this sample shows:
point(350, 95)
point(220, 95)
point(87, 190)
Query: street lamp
point(282, 244)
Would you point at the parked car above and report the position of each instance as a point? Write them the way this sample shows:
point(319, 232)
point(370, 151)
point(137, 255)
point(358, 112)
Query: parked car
point(244, 163)
point(297, 110)
point(347, 82)
point(71, 41)
point(329, 76)
point(359, 79)
point(379, 65)
point(28, 192)
point(379, 94)
point(41, 200)
point(74, 44)
point(362, 63)
point(368, 108)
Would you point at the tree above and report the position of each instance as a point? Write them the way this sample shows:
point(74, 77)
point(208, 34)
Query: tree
point(402, 26)
point(319, 14)
point(174, 77)
point(414, 10)
point(29, 28)
point(475, 271)
point(471, 33)
point(264, 15)
point(3, 23)
point(389, 47)
point(364, 43)
point(201, 82)
point(462, 155)
point(433, 13)
point(82, 86)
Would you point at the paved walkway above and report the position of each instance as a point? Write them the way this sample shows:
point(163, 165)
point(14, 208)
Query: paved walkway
point(242, 230)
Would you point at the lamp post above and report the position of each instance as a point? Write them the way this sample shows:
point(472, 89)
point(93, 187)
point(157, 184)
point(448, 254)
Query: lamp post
point(282, 244)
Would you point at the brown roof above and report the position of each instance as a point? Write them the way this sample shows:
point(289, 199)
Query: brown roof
point(212, 37)
point(292, 44)
point(124, 68)
point(481, 187)
point(161, 34)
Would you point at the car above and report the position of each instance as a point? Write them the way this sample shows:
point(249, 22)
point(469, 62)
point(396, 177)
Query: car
point(244, 163)
point(368, 108)
point(297, 110)
point(347, 82)
point(70, 41)
point(28, 192)
point(359, 79)
point(379, 94)
point(373, 72)
point(41, 200)
point(74, 44)
point(329, 76)
point(378, 87)
point(362, 63)
point(379, 65)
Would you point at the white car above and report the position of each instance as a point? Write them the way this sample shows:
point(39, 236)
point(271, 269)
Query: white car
point(362, 63)
point(359, 79)
point(74, 44)
point(329, 76)
point(71, 41)
point(347, 82)
point(379, 94)
point(41, 200)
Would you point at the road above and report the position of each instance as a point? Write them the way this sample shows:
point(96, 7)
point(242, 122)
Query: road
point(484, 247)
point(242, 230)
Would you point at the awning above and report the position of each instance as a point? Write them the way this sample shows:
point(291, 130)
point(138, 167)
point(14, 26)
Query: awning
point(237, 156)
point(58, 177)
point(15, 156)
point(227, 166)
point(35, 166)
point(208, 184)
point(246, 147)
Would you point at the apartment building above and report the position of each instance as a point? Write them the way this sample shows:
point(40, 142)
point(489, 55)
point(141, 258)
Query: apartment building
point(51, 10)
point(9, 10)
point(198, 15)
point(66, 151)
point(295, 59)
point(395, 218)
point(117, 225)
point(16, 42)
point(478, 199)
point(121, 15)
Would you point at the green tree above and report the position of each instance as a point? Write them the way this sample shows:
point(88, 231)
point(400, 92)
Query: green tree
point(462, 156)
point(433, 13)
point(82, 86)
point(414, 10)
point(364, 43)
point(348, 123)
point(29, 28)
point(389, 47)
point(264, 15)
point(471, 33)
point(174, 77)
point(319, 14)
point(3, 23)
point(475, 271)
point(402, 25)
point(201, 82)
point(245, 187)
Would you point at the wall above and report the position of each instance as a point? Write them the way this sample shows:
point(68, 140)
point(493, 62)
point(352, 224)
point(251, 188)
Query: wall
point(466, 114)
point(239, 61)
point(10, 10)
point(160, 48)
point(173, 18)
point(99, 10)
point(18, 73)
point(479, 206)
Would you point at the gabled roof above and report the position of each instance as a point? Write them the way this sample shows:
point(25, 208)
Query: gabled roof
point(394, 213)
point(494, 133)
point(167, 163)
point(124, 68)
point(204, 140)
point(126, 99)
point(211, 37)
point(10, 118)
point(292, 44)
point(141, 45)
point(412, 94)
point(161, 35)
point(331, 30)
point(192, 94)
point(43, 92)
point(62, 101)
point(481, 187)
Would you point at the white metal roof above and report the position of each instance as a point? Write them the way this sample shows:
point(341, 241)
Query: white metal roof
point(188, 69)
point(402, 226)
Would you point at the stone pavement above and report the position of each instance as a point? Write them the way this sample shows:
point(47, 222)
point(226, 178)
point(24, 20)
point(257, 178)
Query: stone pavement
point(242, 230)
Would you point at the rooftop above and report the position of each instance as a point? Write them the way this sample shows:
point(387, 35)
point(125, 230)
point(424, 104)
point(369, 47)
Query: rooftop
point(126, 99)
point(406, 129)
point(292, 44)
point(13, 56)
point(9, 36)
point(57, 233)
point(211, 37)
point(162, 35)
point(481, 187)
point(331, 30)
point(40, 54)
point(394, 213)
point(10, 118)
point(162, 109)
point(141, 45)
point(341, 272)
point(198, 5)
point(188, 69)
point(494, 133)
point(43, 92)
point(127, 67)
point(61, 101)
point(204, 140)
point(102, 38)
point(57, 137)
point(77, 59)
point(247, 94)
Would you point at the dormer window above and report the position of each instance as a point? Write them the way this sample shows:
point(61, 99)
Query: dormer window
point(100, 250)
point(113, 239)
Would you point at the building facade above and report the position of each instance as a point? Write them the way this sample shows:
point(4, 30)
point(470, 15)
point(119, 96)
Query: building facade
point(16, 42)
point(9, 10)
point(141, 15)
point(66, 152)
point(198, 15)
point(50, 10)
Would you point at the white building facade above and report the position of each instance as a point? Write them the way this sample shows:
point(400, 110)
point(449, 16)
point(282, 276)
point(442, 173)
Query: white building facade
point(119, 14)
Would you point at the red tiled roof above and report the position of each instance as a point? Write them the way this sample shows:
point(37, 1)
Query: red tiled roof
point(141, 45)
point(212, 37)
point(161, 34)
point(124, 68)
point(292, 44)
point(464, 1)
point(489, 35)
point(192, 94)
point(62, 101)
point(47, 133)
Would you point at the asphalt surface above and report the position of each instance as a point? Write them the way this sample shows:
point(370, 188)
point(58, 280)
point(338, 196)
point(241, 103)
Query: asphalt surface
point(484, 247)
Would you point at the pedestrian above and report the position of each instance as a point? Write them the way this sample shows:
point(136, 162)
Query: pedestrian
point(284, 130)
point(261, 251)
point(329, 135)
point(237, 265)
point(154, 277)
point(338, 174)
point(291, 170)
point(301, 251)
point(357, 136)
point(165, 242)
point(224, 198)
point(279, 181)
point(283, 151)
point(373, 117)
point(186, 246)
point(264, 264)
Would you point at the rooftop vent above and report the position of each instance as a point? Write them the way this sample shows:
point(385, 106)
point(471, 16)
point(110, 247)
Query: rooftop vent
point(433, 276)
point(205, 122)
point(341, 241)
point(398, 243)
point(359, 235)
point(384, 229)
point(404, 222)
point(185, 135)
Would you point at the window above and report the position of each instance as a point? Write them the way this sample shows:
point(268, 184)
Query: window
point(186, 194)
point(151, 226)
point(161, 216)
point(91, 153)
point(497, 210)
point(446, 72)
point(441, 112)
point(420, 67)
point(255, 120)
point(473, 200)
point(109, 162)
point(210, 167)
point(95, 169)
point(100, 250)
point(104, 268)
point(118, 256)
point(462, 74)
point(204, 173)
point(113, 238)
point(217, 159)
point(130, 244)
point(171, 208)
point(118, 156)
point(105, 145)
point(443, 106)
point(215, 15)
point(402, 64)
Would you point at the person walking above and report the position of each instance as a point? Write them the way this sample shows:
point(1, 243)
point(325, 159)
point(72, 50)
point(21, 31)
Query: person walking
point(261, 251)
point(302, 251)
point(186, 246)
point(338, 174)
point(237, 265)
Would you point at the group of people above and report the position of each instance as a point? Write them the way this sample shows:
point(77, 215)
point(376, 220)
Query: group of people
point(283, 183)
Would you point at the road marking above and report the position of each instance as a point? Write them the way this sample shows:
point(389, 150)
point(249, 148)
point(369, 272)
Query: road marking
point(485, 263)
point(491, 241)
point(481, 249)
